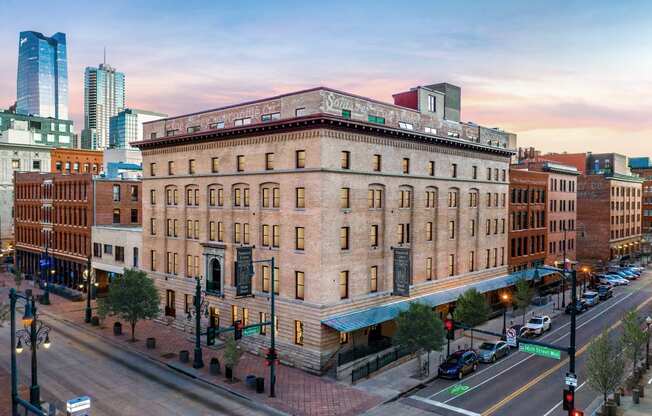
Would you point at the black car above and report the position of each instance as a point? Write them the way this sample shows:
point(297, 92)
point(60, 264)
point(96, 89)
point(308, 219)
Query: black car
point(579, 308)
point(458, 364)
point(605, 292)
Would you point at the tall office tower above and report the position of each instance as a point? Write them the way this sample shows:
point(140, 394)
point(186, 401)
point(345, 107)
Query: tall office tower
point(104, 97)
point(127, 127)
point(42, 75)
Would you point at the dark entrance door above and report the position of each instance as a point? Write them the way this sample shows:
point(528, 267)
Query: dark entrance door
point(214, 284)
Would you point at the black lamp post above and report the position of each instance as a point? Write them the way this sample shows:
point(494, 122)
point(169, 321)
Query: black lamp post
point(88, 274)
point(505, 299)
point(36, 335)
point(648, 322)
point(201, 307)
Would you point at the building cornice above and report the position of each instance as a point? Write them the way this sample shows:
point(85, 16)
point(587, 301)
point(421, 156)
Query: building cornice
point(318, 121)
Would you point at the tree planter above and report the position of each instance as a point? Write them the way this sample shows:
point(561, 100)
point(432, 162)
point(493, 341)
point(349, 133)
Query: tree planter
point(184, 356)
point(117, 328)
point(151, 343)
point(228, 372)
point(95, 321)
point(214, 366)
point(610, 409)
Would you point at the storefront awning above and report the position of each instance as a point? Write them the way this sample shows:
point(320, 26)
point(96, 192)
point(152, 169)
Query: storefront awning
point(375, 315)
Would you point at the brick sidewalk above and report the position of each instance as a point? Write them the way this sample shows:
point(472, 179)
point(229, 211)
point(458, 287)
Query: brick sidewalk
point(297, 392)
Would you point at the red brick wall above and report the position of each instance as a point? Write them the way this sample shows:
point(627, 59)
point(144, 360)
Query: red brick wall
point(573, 159)
point(105, 203)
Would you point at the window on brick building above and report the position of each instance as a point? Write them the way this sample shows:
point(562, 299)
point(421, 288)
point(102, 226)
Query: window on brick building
point(376, 165)
point(240, 163)
point(405, 166)
point(119, 253)
point(300, 197)
point(215, 165)
point(344, 238)
point(344, 284)
point(299, 279)
point(170, 167)
point(345, 160)
point(298, 332)
point(116, 193)
point(134, 216)
point(116, 215)
point(300, 159)
point(299, 238)
point(191, 166)
point(269, 161)
point(345, 201)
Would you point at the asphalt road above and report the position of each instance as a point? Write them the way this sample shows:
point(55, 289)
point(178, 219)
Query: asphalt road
point(120, 383)
point(524, 384)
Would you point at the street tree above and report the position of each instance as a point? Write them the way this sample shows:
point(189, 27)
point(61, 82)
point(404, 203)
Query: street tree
point(419, 329)
point(131, 297)
point(633, 338)
point(232, 354)
point(605, 365)
point(471, 309)
point(523, 295)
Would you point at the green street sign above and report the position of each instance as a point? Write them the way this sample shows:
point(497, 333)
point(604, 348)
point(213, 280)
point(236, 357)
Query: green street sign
point(250, 331)
point(540, 350)
point(458, 389)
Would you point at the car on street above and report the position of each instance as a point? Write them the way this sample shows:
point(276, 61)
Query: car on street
point(613, 280)
point(580, 307)
point(489, 352)
point(591, 298)
point(458, 364)
point(623, 274)
point(539, 324)
point(605, 292)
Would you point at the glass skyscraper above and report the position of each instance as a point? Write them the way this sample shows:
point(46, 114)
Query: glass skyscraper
point(127, 127)
point(104, 97)
point(42, 75)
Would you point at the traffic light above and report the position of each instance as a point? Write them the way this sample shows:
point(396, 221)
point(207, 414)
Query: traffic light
point(569, 399)
point(450, 329)
point(576, 412)
point(237, 329)
point(210, 335)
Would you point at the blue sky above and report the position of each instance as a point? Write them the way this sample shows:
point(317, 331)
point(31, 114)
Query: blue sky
point(572, 75)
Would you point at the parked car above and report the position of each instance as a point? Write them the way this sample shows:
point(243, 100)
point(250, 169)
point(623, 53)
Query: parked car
point(624, 274)
point(591, 298)
point(539, 324)
point(613, 280)
point(489, 352)
point(458, 364)
point(579, 308)
point(605, 292)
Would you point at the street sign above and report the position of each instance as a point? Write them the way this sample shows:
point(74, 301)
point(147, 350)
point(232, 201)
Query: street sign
point(244, 271)
point(570, 379)
point(458, 389)
point(511, 337)
point(78, 406)
point(402, 272)
point(251, 331)
point(540, 350)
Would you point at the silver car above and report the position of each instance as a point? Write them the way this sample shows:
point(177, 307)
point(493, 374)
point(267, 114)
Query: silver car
point(489, 352)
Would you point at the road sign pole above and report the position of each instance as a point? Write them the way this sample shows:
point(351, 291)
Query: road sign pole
point(272, 364)
point(571, 350)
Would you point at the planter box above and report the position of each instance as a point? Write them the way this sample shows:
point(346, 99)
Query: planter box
point(95, 321)
point(228, 372)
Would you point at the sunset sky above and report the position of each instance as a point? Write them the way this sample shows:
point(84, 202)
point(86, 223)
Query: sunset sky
point(563, 75)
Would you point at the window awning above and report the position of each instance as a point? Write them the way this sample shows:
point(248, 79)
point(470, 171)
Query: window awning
point(372, 316)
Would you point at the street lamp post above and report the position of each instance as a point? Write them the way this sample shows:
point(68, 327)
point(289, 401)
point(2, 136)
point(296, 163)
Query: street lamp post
point(505, 299)
point(648, 322)
point(201, 307)
point(36, 335)
point(88, 276)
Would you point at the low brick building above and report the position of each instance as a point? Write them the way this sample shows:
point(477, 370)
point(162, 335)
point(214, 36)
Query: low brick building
point(76, 161)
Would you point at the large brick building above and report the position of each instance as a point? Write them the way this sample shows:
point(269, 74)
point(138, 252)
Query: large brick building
point(330, 184)
point(76, 161)
point(55, 212)
point(528, 228)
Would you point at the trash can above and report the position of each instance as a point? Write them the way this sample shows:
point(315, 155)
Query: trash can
point(151, 343)
point(260, 385)
point(184, 356)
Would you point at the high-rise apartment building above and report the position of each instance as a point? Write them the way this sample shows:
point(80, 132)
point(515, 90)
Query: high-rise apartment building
point(104, 97)
point(127, 127)
point(365, 205)
point(42, 87)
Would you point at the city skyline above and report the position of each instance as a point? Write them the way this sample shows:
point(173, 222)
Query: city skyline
point(517, 65)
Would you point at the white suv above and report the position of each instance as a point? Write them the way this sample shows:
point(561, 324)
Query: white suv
point(539, 324)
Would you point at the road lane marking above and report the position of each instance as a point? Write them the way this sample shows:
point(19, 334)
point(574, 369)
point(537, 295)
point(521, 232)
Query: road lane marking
point(551, 370)
point(446, 406)
point(526, 358)
point(561, 402)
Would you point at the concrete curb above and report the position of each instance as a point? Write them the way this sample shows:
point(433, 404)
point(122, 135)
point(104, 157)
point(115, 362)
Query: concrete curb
point(184, 371)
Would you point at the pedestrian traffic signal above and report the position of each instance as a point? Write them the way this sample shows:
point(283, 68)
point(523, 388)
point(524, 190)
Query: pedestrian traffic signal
point(576, 412)
point(569, 400)
point(450, 329)
point(237, 329)
point(210, 335)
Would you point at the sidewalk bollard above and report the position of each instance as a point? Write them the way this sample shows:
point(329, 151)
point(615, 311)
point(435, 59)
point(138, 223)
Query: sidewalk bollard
point(635, 396)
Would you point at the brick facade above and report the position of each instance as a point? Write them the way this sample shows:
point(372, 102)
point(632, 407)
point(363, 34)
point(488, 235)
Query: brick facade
point(76, 161)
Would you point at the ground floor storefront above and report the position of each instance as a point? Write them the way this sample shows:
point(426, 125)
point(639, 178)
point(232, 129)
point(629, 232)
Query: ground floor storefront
point(51, 269)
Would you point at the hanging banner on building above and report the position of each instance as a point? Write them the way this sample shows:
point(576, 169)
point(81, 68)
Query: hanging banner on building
point(402, 272)
point(244, 271)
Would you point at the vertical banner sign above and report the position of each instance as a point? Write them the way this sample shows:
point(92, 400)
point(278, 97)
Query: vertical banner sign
point(244, 271)
point(402, 272)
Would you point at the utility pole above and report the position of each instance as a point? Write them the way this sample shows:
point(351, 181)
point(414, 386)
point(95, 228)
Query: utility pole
point(571, 349)
point(272, 351)
point(563, 282)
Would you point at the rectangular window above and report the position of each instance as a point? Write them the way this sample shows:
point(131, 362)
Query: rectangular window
point(270, 117)
point(403, 233)
point(344, 238)
point(133, 192)
point(453, 170)
point(240, 161)
point(237, 232)
point(405, 165)
point(299, 284)
point(406, 198)
point(263, 318)
point(451, 229)
point(300, 159)
point(191, 166)
point(300, 112)
point(234, 314)
point(432, 103)
point(472, 223)
point(475, 172)
point(377, 163)
point(276, 197)
point(134, 216)
point(152, 256)
point(242, 121)
point(116, 193)
point(215, 165)
point(218, 125)
point(472, 261)
point(276, 282)
point(266, 197)
point(345, 202)
point(300, 197)
point(170, 167)
point(169, 303)
point(451, 264)
point(299, 238)
point(212, 231)
point(428, 231)
point(373, 279)
point(428, 268)
point(276, 236)
point(266, 276)
point(375, 198)
point(265, 235)
point(431, 168)
point(344, 284)
point(373, 236)
point(269, 161)
point(345, 160)
point(116, 215)
point(298, 332)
